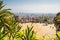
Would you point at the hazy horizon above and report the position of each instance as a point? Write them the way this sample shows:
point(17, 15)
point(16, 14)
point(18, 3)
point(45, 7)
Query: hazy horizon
point(33, 6)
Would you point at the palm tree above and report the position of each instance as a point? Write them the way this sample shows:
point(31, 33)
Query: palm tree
point(3, 13)
point(8, 24)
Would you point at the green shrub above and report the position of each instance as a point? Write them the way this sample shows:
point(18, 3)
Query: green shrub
point(28, 34)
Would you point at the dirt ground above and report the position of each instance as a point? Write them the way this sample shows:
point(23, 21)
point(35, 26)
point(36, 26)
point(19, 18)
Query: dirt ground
point(41, 29)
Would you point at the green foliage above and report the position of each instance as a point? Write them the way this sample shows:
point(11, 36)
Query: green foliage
point(41, 38)
point(56, 38)
point(57, 35)
point(57, 21)
point(57, 25)
point(28, 34)
point(36, 20)
point(46, 19)
point(49, 38)
point(2, 14)
point(8, 24)
point(1, 36)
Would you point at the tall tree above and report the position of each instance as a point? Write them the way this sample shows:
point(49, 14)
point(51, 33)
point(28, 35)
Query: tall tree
point(57, 21)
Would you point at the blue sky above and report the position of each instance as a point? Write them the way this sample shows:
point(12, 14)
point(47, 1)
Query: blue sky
point(33, 6)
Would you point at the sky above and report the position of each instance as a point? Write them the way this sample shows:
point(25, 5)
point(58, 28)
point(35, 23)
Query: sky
point(33, 6)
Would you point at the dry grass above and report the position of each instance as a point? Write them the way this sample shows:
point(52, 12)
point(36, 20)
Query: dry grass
point(41, 29)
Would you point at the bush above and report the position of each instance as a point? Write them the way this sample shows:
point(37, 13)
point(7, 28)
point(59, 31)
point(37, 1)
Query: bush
point(28, 34)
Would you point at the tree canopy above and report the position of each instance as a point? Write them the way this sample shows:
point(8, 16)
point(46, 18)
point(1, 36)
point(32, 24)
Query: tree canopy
point(57, 21)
